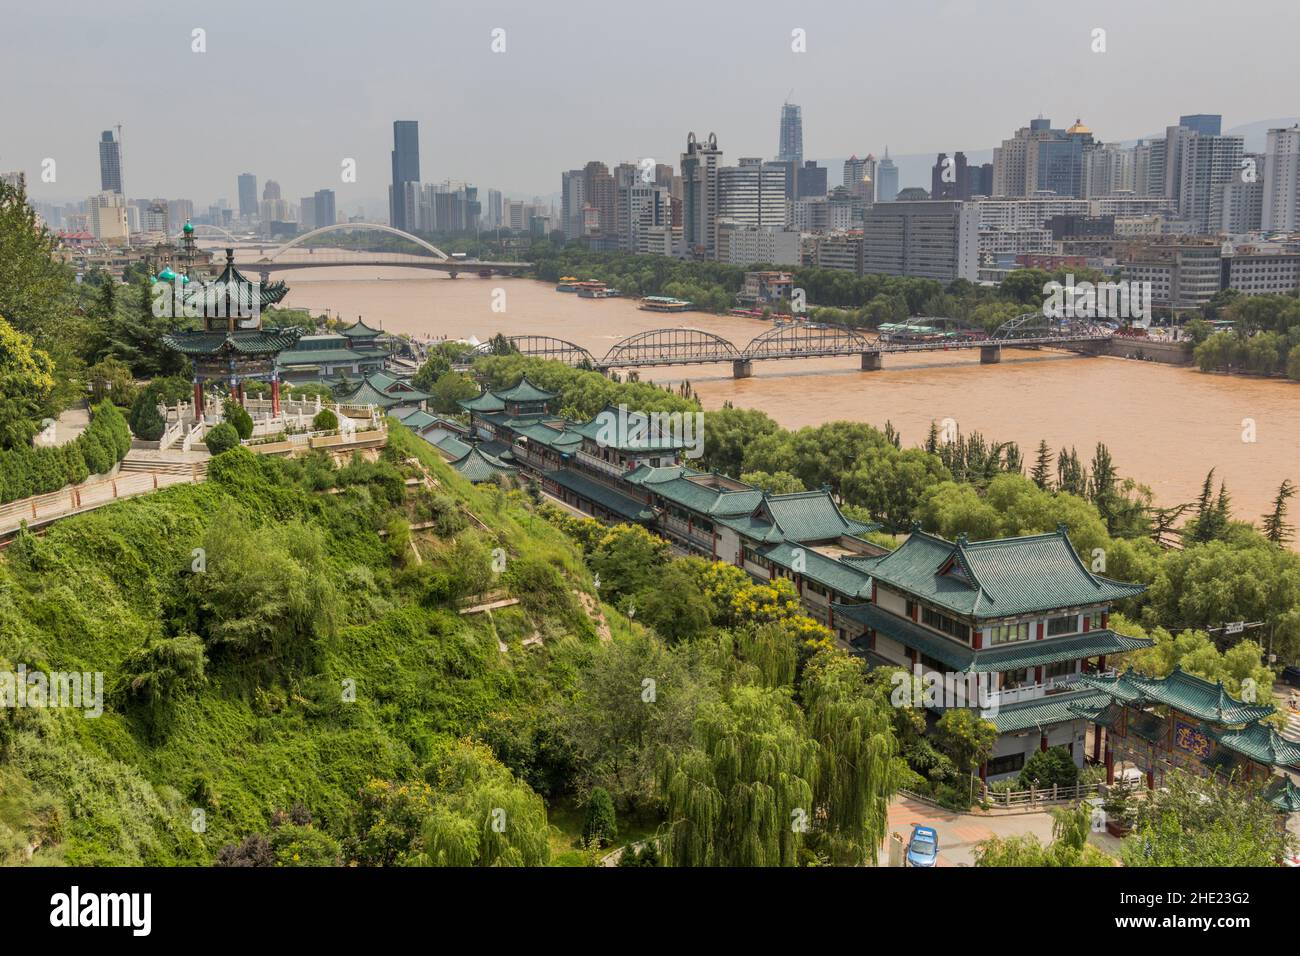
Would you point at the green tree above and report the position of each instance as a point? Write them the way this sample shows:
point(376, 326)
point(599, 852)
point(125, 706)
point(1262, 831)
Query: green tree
point(26, 386)
point(222, 437)
point(777, 483)
point(1042, 472)
point(600, 826)
point(1275, 527)
point(965, 737)
point(628, 559)
point(1049, 768)
point(237, 416)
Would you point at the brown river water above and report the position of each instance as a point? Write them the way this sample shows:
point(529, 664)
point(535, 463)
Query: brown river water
point(1165, 426)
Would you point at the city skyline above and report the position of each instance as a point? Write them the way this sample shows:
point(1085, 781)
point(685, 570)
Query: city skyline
point(512, 118)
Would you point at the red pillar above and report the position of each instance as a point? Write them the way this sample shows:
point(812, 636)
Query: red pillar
point(1110, 765)
point(1042, 742)
point(275, 395)
point(239, 392)
point(1096, 743)
point(198, 399)
point(1151, 779)
point(984, 772)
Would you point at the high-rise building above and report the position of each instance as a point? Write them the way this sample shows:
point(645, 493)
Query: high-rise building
point(1281, 198)
point(406, 169)
point(600, 197)
point(1109, 170)
point(1203, 124)
point(700, 196)
point(887, 179)
point(307, 214)
point(247, 195)
point(791, 145)
point(271, 190)
point(929, 239)
point(753, 193)
point(106, 215)
point(324, 204)
point(110, 162)
point(949, 178)
point(860, 177)
point(1206, 164)
point(979, 180)
point(573, 195)
point(810, 181)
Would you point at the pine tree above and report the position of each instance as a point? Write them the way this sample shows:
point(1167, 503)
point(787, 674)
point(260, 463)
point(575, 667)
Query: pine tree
point(1042, 472)
point(1275, 527)
point(932, 440)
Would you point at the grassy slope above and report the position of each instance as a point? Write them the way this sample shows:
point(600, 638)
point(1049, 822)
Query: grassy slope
point(110, 791)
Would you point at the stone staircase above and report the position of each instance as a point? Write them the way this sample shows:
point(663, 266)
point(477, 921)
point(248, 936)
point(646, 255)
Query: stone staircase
point(161, 466)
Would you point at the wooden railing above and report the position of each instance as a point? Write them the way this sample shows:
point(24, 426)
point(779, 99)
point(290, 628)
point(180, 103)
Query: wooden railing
point(1034, 797)
point(42, 509)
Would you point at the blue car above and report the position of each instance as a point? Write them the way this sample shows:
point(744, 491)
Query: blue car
point(923, 848)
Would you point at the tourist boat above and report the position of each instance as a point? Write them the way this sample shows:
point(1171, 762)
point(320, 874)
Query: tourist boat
point(567, 284)
point(662, 303)
point(596, 290)
point(747, 313)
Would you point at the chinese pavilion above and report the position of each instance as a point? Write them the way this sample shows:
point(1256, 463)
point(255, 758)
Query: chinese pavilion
point(230, 343)
point(1185, 721)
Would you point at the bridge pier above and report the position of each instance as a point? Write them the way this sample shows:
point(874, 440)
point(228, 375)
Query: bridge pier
point(990, 354)
point(873, 361)
point(742, 368)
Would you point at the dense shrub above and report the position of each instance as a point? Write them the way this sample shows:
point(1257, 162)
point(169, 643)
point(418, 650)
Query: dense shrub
point(222, 438)
point(1047, 768)
point(26, 471)
point(325, 421)
point(600, 826)
point(237, 416)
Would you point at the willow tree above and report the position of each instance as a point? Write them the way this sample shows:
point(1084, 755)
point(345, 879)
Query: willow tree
point(859, 764)
point(742, 793)
point(483, 816)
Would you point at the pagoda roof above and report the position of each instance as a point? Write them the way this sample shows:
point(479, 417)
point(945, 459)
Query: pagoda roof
point(828, 572)
point(478, 466)
point(524, 391)
point(240, 341)
point(270, 293)
point(623, 430)
point(1184, 692)
point(1045, 711)
point(359, 330)
point(382, 389)
point(484, 401)
point(296, 356)
point(1262, 743)
point(601, 494)
point(1283, 794)
point(998, 577)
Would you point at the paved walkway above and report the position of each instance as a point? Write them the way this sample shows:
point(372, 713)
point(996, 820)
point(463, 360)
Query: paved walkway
point(959, 832)
point(70, 423)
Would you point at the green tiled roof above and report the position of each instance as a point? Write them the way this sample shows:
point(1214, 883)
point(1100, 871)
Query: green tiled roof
point(270, 293)
point(828, 572)
point(1260, 742)
point(1000, 577)
point(810, 516)
point(1013, 657)
point(1283, 794)
point(242, 341)
point(485, 401)
point(1184, 692)
point(359, 330)
point(606, 497)
point(417, 419)
point(291, 357)
point(1053, 709)
point(382, 389)
point(524, 391)
point(562, 440)
point(478, 466)
point(627, 431)
point(756, 529)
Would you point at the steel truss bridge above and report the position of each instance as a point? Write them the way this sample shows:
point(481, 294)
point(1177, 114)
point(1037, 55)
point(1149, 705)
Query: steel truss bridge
point(433, 257)
point(687, 346)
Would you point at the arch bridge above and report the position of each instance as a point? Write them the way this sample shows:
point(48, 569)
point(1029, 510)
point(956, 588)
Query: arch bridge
point(435, 258)
point(687, 346)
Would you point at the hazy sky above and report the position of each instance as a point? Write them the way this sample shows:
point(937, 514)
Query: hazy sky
point(288, 90)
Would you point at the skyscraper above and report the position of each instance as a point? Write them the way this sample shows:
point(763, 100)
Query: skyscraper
point(406, 169)
point(600, 196)
point(271, 190)
point(325, 214)
point(247, 195)
point(860, 177)
point(791, 146)
point(1281, 211)
point(110, 162)
point(949, 178)
point(1206, 124)
point(887, 179)
point(753, 193)
point(699, 165)
point(810, 181)
point(573, 196)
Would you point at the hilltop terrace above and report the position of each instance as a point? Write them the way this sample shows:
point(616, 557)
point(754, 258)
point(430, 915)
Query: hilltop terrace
point(1025, 611)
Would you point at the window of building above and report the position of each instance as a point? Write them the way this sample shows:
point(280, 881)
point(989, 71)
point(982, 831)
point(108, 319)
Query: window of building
point(1062, 625)
point(1016, 678)
point(1094, 621)
point(815, 588)
point(1008, 633)
point(1009, 763)
point(941, 622)
point(1059, 669)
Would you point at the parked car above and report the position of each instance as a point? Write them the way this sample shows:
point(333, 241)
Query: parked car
point(1291, 675)
point(923, 848)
